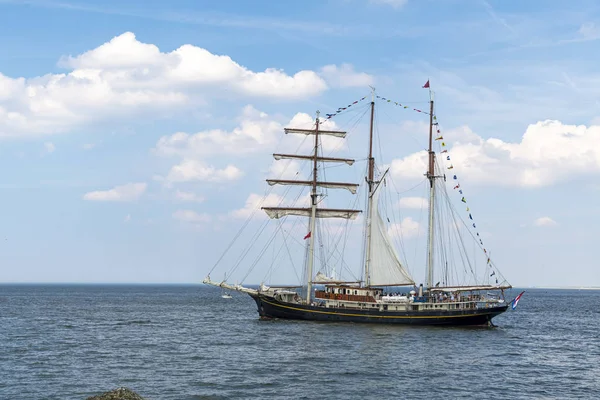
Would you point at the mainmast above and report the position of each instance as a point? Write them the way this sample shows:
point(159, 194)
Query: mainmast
point(431, 176)
point(370, 182)
point(382, 265)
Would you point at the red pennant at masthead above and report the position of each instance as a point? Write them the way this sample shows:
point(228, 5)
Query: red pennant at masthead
point(426, 85)
point(307, 236)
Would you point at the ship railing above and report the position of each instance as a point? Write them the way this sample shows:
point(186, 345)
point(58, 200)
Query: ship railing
point(462, 305)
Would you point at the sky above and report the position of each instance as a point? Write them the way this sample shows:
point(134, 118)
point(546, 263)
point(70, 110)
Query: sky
point(135, 136)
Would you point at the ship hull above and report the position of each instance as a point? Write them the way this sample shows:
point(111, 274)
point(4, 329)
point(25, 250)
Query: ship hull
point(271, 308)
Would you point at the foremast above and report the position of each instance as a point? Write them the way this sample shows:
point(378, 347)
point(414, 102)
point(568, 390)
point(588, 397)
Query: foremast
point(313, 215)
point(313, 212)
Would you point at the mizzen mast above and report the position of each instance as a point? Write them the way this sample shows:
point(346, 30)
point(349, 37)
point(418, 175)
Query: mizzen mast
point(431, 176)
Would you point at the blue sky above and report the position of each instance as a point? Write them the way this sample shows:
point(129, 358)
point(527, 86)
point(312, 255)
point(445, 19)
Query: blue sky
point(104, 95)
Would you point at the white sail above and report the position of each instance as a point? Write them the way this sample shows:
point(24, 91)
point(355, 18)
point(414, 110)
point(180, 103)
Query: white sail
point(385, 268)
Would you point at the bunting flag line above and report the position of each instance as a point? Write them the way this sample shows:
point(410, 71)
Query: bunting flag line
point(457, 186)
point(342, 109)
point(401, 105)
point(444, 150)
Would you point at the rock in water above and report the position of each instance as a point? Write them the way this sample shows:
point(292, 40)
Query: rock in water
point(118, 394)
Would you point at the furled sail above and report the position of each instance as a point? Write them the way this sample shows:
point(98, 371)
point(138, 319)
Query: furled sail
point(279, 156)
point(385, 268)
point(339, 134)
point(352, 187)
point(321, 278)
point(278, 212)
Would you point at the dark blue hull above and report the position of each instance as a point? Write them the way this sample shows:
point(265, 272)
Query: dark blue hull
point(271, 308)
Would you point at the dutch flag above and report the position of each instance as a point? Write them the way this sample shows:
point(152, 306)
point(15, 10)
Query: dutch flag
point(516, 300)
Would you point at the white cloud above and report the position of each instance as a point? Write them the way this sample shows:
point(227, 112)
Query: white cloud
point(345, 76)
point(412, 166)
point(462, 134)
point(193, 170)
point(127, 218)
point(49, 147)
point(188, 197)
point(88, 146)
point(55, 103)
point(393, 3)
point(125, 75)
point(589, 31)
point(128, 192)
point(406, 229)
point(286, 169)
point(144, 63)
point(412, 202)
point(545, 221)
point(123, 51)
point(255, 201)
point(549, 152)
point(256, 132)
point(191, 217)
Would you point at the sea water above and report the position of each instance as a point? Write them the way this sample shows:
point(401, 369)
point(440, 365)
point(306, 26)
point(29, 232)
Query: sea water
point(186, 342)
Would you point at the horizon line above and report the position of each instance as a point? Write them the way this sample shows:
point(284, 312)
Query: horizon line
point(571, 287)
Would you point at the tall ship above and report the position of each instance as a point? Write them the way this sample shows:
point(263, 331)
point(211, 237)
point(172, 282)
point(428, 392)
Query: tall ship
point(385, 291)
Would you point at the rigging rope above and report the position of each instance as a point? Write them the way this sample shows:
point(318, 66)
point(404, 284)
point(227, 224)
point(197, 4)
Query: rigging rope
point(445, 255)
point(270, 241)
point(459, 189)
point(444, 151)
